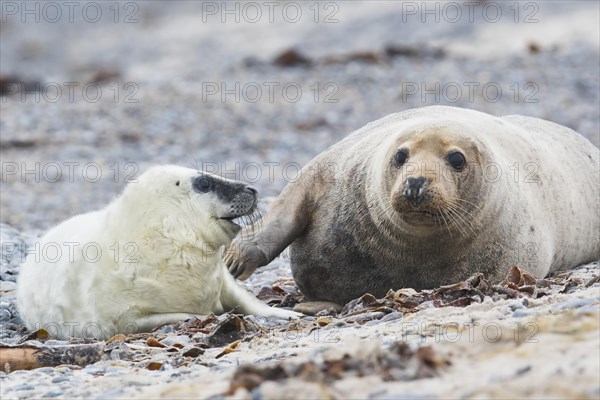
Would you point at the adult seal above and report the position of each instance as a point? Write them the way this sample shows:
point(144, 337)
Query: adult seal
point(427, 197)
point(151, 257)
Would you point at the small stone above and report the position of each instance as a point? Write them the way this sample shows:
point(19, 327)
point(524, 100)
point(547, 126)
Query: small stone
point(522, 313)
point(392, 316)
point(59, 379)
point(5, 315)
point(24, 386)
point(54, 342)
point(575, 303)
point(176, 339)
point(45, 370)
point(53, 393)
point(116, 370)
point(313, 307)
point(166, 329)
point(192, 352)
point(94, 370)
point(7, 286)
point(8, 277)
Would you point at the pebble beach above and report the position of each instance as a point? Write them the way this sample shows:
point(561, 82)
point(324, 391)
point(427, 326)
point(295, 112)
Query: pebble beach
point(85, 107)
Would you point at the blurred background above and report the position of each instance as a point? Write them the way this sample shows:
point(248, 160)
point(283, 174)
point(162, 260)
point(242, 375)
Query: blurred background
point(92, 93)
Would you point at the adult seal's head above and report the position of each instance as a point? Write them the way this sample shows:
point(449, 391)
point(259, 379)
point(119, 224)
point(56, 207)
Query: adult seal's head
point(429, 196)
point(429, 180)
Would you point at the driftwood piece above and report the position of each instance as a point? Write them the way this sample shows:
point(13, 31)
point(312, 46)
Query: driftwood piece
point(30, 357)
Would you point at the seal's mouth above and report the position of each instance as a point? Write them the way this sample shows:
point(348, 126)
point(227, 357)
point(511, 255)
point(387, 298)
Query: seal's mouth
point(234, 221)
point(422, 217)
point(242, 219)
point(238, 220)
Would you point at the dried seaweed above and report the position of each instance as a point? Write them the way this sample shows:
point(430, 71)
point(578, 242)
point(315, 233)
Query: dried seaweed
point(398, 362)
point(517, 284)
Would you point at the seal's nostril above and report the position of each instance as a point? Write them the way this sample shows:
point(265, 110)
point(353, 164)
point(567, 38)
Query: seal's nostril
point(251, 190)
point(414, 190)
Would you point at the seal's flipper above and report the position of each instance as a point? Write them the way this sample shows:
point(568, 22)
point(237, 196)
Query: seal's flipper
point(235, 297)
point(149, 322)
point(284, 222)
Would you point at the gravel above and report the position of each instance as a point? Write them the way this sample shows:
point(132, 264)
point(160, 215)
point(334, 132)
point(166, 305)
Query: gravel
point(53, 152)
point(75, 155)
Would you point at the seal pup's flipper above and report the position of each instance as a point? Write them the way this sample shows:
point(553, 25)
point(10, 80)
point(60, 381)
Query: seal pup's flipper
point(149, 322)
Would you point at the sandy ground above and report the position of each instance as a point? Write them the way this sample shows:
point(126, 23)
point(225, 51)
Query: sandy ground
point(178, 85)
point(541, 341)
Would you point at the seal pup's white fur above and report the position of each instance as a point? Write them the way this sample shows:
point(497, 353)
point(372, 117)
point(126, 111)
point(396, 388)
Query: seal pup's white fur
point(150, 257)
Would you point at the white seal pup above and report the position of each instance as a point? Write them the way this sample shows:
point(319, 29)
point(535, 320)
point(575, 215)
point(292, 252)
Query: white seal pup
point(429, 196)
point(150, 257)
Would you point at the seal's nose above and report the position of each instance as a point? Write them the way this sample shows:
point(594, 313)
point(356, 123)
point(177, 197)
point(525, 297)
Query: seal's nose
point(414, 190)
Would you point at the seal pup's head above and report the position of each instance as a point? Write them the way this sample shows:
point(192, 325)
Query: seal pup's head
point(434, 178)
point(186, 204)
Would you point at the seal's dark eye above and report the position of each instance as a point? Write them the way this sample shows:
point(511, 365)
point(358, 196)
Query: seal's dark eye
point(400, 157)
point(202, 184)
point(456, 160)
point(177, 183)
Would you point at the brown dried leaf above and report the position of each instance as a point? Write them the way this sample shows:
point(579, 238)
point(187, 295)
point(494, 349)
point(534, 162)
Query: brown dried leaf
point(250, 377)
point(528, 279)
point(152, 342)
point(364, 302)
point(270, 296)
point(519, 277)
point(229, 349)
point(154, 365)
point(431, 358)
point(192, 352)
point(117, 338)
point(323, 321)
point(513, 275)
point(229, 328)
point(291, 299)
point(529, 289)
point(592, 280)
point(544, 282)
point(40, 335)
point(363, 317)
point(510, 292)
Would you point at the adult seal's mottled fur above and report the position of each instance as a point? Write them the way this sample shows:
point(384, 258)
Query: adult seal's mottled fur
point(427, 197)
point(149, 258)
